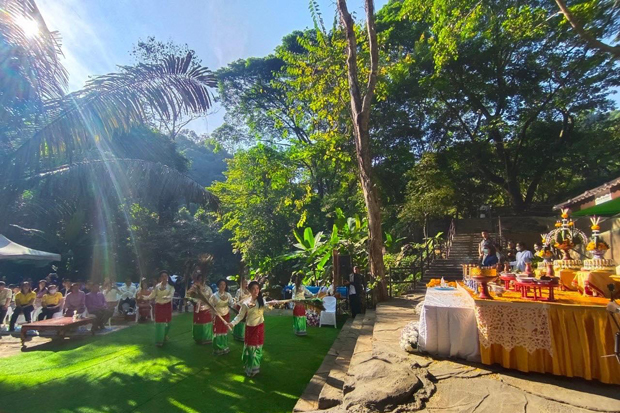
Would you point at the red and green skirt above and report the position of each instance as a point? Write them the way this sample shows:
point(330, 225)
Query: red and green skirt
point(202, 329)
point(239, 329)
point(299, 320)
point(253, 348)
point(163, 316)
point(220, 335)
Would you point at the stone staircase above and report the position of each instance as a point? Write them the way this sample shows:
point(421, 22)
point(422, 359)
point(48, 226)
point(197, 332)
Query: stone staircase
point(464, 250)
point(325, 389)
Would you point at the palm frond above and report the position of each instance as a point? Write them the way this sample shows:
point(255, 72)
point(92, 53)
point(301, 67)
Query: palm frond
point(114, 102)
point(29, 61)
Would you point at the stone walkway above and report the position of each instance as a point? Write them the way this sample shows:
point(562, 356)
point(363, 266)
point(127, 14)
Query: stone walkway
point(383, 378)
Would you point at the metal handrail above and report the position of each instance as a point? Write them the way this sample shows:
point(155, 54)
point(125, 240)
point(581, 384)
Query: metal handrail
point(451, 234)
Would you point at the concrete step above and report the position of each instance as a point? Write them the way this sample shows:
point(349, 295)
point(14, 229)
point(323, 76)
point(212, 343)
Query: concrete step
point(325, 388)
point(332, 393)
point(338, 356)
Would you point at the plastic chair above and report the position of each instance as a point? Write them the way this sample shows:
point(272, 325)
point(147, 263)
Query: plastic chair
point(9, 313)
point(328, 316)
point(138, 313)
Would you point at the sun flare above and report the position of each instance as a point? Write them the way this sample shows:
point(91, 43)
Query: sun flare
point(29, 26)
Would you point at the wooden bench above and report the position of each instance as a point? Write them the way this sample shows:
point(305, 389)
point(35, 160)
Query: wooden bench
point(60, 325)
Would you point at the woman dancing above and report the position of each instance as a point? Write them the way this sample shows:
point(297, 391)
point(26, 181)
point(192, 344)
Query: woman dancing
point(242, 295)
point(222, 301)
point(162, 294)
point(202, 330)
point(252, 310)
point(300, 292)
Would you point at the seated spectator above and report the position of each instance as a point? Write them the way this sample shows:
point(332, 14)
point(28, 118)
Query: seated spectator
point(6, 295)
point(127, 303)
point(96, 305)
point(111, 293)
point(66, 287)
point(40, 292)
point(52, 278)
point(75, 301)
point(15, 289)
point(490, 256)
point(51, 302)
point(24, 304)
point(144, 304)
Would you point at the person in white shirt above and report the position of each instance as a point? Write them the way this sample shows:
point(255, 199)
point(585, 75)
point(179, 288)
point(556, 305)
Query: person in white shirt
point(242, 295)
point(127, 299)
point(222, 301)
point(6, 295)
point(202, 329)
point(252, 311)
point(162, 294)
point(524, 256)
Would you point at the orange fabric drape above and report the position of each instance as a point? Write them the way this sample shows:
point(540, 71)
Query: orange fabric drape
point(580, 336)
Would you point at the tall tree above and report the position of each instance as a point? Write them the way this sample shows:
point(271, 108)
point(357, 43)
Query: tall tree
point(361, 101)
point(152, 51)
point(512, 81)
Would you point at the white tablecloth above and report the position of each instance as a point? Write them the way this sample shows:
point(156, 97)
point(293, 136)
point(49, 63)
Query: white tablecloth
point(448, 325)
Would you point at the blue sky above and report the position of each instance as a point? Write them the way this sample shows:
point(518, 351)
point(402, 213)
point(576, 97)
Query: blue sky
point(99, 34)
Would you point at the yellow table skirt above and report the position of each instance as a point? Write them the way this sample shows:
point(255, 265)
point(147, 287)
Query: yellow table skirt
point(581, 335)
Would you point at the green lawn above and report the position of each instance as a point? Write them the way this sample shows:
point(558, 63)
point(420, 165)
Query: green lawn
point(124, 371)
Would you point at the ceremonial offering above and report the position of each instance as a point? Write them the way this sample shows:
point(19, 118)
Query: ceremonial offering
point(596, 246)
point(525, 278)
point(565, 236)
point(599, 264)
point(436, 282)
point(567, 264)
point(483, 277)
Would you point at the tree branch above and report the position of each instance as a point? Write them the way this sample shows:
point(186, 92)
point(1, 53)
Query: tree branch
point(590, 41)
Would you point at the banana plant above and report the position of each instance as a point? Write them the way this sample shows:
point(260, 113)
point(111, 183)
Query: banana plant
point(312, 251)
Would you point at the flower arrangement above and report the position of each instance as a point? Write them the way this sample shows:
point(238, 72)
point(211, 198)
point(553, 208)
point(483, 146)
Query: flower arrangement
point(409, 337)
point(436, 282)
point(545, 253)
point(312, 317)
point(601, 246)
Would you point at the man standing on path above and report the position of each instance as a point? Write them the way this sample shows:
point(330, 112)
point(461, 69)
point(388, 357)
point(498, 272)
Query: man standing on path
point(486, 243)
point(356, 290)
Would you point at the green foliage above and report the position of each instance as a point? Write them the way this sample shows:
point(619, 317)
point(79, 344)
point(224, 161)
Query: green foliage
point(261, 202)
point(507, 80)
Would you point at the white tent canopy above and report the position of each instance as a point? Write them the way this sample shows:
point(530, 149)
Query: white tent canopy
point(12, 251)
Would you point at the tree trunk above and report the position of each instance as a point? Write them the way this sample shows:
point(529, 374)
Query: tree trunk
point(360, 115)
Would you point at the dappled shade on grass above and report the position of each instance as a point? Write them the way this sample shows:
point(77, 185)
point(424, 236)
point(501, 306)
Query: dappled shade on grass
point(124, 371)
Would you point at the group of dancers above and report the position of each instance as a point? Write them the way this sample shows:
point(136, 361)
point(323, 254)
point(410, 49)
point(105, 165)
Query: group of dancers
point(211, 322)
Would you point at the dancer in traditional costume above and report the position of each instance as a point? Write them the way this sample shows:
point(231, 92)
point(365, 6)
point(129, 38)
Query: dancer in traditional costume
point(162, 294)
point(202, 330)
point(252, 311)
point(221, 301)
point(300, 292)
point(242, 295)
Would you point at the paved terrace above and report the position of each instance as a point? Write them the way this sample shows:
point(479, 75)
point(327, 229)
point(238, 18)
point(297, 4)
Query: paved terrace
point(382, 378)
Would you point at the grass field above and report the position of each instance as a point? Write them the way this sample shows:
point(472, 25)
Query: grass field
point(125, 372)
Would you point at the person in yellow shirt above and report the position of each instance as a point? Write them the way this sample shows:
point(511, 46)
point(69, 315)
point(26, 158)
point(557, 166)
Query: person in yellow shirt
point(24, 304)
point(252, 311)
point(51, 302)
